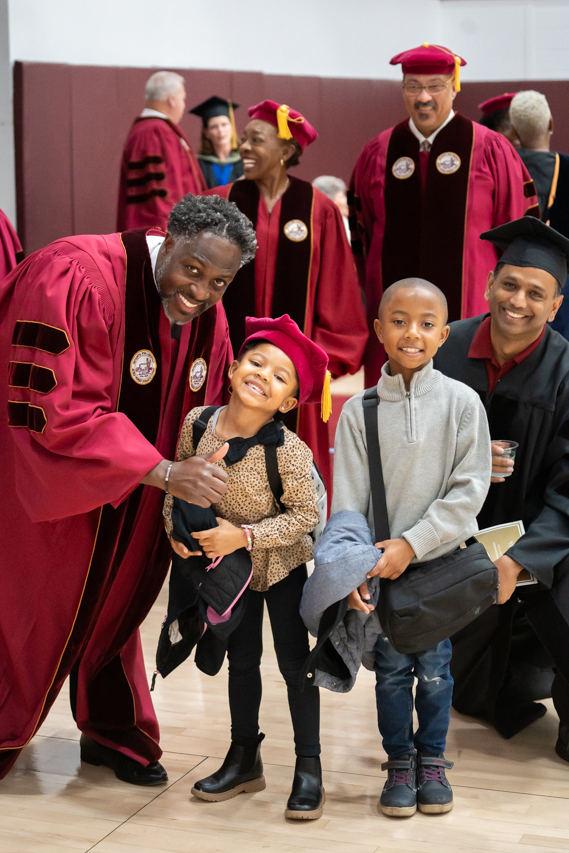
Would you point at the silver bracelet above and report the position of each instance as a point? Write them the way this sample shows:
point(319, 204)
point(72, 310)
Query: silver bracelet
point(167, 478)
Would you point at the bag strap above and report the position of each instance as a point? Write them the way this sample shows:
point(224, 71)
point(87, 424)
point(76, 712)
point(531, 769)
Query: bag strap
point(200, 424)
point(273, 474)
point(370, 403)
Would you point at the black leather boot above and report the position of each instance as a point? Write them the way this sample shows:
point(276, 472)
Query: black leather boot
point(307, 796)
point(240, 773)
point(126, 769)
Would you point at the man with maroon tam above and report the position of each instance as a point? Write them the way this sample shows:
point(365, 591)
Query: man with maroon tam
point(303, 265)
point(106, 341)
point(424, 190)
point(158, 165)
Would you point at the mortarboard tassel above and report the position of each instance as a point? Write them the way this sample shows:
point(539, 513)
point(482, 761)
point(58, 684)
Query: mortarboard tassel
point(234, 140)
point(457, 73)
point(282, 121)
point(326, 402)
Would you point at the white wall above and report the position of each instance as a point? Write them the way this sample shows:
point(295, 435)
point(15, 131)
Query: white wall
point(509, 39)
point(7, 182)
point(328, 38)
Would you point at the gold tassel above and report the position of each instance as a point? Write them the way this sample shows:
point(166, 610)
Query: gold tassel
point(282, 121)
point(326, 402)
point(457, 73)
point(234, 140)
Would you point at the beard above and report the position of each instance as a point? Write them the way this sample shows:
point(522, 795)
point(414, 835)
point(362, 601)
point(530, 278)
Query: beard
point(165, 300)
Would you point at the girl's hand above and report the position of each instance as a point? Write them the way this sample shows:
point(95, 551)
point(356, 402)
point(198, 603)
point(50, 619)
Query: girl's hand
point(181, 549)
point(222, 540)
point(397, 554)
point(358, 599)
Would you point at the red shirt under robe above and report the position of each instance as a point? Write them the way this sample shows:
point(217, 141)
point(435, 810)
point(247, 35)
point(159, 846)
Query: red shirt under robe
point(481, 347)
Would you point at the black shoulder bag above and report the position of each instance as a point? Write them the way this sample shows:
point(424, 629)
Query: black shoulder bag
point(430, 601)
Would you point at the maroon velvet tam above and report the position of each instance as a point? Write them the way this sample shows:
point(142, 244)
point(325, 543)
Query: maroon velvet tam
point(428, 59)
point(289, 121)
point(500, 102)
point(310, 360)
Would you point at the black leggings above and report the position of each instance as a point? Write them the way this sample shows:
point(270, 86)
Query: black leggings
point(291, 646)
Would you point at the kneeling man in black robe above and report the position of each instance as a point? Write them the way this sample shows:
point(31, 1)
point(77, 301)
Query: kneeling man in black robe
point(518, 652)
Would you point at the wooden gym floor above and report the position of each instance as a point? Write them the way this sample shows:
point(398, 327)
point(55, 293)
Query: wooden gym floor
point(509, 795)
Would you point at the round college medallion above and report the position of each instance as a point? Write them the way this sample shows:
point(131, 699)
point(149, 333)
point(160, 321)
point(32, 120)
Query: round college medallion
point(296, 230)
point(198, 373)
point(403, 168)
point(143, 367)
point(448, 163)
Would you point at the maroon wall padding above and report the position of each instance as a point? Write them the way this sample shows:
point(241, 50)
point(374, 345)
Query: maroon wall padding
point(71, 123)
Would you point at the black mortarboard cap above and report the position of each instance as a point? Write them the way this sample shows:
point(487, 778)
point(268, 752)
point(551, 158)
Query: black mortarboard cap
point(529, 242)
point(214, 107)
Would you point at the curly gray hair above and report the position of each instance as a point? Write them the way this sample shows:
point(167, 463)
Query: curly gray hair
point(216, 215)
point(162, 84)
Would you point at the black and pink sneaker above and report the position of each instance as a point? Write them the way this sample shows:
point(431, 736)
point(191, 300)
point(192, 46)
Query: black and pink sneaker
point(434, 793)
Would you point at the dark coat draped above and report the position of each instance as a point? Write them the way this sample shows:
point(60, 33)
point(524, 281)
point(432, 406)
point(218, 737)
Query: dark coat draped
point(530, 405)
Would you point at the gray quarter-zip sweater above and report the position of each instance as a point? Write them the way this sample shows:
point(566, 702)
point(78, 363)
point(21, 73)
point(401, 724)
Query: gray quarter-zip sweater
point(435, 452)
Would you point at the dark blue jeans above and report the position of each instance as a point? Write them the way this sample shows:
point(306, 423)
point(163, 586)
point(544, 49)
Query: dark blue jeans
point(395, 674)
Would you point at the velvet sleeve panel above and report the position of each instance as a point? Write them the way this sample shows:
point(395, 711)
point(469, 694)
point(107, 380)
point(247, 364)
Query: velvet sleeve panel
point(546, 541)
point(340, 326)
point(367, 213)
point(87, 453)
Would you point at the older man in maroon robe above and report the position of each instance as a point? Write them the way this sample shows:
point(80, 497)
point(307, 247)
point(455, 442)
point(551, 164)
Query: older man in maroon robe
point(106, 343)
point(158, 165)
point(423, 191)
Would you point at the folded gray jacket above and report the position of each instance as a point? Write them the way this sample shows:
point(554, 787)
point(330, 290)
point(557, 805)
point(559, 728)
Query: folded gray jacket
point(342, 559)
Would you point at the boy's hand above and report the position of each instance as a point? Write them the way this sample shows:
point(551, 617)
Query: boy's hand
point(357, 600)
point(222, 540)
point(397, 554)
point(181, 549)
point(508, 571)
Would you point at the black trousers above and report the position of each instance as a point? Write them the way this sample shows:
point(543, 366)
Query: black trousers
point(290, 639)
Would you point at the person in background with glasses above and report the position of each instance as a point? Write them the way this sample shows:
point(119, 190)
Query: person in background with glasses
point(424, 190)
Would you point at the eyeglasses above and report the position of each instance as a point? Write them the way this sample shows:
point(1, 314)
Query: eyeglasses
point(433, 89)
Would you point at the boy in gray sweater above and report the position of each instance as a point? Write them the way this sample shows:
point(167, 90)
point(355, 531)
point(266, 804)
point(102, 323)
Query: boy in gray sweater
point(435, 453)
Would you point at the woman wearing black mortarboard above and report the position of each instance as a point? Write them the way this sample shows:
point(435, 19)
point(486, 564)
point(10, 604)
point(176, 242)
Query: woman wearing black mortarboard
point(218, 155)
point(518, 652)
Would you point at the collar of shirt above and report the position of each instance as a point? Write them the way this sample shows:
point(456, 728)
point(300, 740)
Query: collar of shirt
point(148, 113)
point(481, 347)
point(154, 242)
point(430, 139)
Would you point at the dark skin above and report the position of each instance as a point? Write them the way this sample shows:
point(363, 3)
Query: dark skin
point(412, 325)
point(263, 383)
point(193, 275)
point(521, 301)
point(264, 158)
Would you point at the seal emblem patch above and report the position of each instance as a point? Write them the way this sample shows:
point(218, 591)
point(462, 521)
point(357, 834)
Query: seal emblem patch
point(296, 230)
point(448, 163)
point(403, 168)
point(143, 367)
point(198, 373)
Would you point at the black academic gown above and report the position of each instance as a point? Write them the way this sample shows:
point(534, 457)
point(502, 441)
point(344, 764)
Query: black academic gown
point(499, 653)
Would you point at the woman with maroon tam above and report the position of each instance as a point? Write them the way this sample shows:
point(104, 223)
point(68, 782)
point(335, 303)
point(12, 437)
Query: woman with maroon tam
point(303, 264)
point(496, 115)
point(278, 367)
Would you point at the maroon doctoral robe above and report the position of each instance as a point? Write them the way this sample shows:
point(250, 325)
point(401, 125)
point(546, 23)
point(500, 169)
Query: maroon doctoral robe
point(419, 214)
point(95, 389)
point(158, 169)
point(10, 248)
point(303, 267)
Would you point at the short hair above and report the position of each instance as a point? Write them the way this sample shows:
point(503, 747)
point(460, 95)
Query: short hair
point(329, 185)
point(558, 287)
point(498, 120)
point(530, 115)
point(162, 84)
point(404, 283)
point(194, 214)
point(294, 159)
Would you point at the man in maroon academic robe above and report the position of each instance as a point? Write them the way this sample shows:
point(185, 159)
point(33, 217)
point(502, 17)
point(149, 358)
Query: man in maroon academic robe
point(158, 165)
point(10, 247)
point(423, 191)
point(97, 380)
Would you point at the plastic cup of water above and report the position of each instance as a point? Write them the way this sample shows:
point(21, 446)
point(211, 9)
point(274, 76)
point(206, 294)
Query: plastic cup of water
point(509, 448)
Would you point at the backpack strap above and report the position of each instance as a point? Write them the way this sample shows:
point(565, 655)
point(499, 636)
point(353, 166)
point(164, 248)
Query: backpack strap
point(370, 403)
point(200, 424)
point(273, 474)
